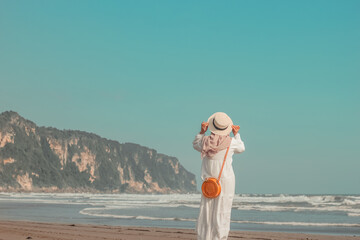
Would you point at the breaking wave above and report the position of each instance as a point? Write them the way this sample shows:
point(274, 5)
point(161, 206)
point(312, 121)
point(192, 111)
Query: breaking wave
point(90, 212)
point(339, 210)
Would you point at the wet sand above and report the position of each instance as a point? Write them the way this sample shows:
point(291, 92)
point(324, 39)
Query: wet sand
point(16, 230)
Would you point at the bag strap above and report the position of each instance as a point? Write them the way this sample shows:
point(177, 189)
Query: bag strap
point(223, 163)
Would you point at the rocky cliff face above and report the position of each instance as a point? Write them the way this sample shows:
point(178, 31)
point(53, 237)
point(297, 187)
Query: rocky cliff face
point(47, 159)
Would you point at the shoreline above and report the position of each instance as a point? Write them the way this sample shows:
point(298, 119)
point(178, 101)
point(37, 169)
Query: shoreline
point(14, 230)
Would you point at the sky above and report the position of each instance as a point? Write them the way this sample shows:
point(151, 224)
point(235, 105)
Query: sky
point(149, 72)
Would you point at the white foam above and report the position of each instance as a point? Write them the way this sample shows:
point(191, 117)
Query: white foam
point(282, 198)
point(349, 205)
point(303, 224)
point(88, 211)
point(352, 214)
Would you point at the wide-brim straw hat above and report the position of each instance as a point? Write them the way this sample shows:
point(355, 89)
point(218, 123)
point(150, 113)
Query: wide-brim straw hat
point(220, 123)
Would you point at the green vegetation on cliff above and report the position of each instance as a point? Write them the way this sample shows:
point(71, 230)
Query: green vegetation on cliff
point(47, 159)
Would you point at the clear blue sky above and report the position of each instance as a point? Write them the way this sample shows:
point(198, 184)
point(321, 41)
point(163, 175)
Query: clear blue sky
point(149, 72)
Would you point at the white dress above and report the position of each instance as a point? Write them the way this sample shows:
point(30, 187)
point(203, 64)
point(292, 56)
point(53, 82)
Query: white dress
point(213, 222)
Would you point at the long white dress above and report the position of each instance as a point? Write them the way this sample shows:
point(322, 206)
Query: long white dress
point(213, 222)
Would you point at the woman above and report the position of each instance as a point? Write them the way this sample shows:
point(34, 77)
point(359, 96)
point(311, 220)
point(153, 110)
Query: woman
point(214, 217)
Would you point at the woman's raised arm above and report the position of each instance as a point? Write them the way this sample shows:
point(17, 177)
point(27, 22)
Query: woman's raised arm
point(197, 143)
point(238, 144)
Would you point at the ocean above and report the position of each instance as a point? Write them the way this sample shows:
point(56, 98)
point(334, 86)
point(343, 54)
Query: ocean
point(321, 214)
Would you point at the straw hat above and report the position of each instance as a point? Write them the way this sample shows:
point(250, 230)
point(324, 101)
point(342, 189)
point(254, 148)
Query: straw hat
point(220, 123)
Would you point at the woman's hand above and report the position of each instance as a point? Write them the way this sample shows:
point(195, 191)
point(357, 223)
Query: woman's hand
point(235, 129)
point(204, 127)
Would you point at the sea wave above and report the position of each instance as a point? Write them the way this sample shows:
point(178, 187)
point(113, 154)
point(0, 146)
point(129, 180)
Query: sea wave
point(347, 204)
point(351, 214)
point(303, 224)
point(296, 199)
point(91, 212)
point(277, 208)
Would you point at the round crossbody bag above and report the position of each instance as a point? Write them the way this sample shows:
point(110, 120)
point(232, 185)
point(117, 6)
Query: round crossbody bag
point(211, 187)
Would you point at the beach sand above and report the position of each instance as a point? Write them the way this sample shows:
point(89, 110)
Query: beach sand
point(17, 230)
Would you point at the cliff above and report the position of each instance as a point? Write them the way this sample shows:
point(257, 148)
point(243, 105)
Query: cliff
point(44, 159)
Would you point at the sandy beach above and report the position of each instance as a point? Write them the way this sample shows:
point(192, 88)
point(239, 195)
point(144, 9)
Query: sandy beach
point(16, 230)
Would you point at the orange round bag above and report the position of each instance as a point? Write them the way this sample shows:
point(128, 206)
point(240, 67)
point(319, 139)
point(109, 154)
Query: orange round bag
point(211, 187)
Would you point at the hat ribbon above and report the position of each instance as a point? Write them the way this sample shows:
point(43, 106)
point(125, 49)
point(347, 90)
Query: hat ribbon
point(221, 129)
